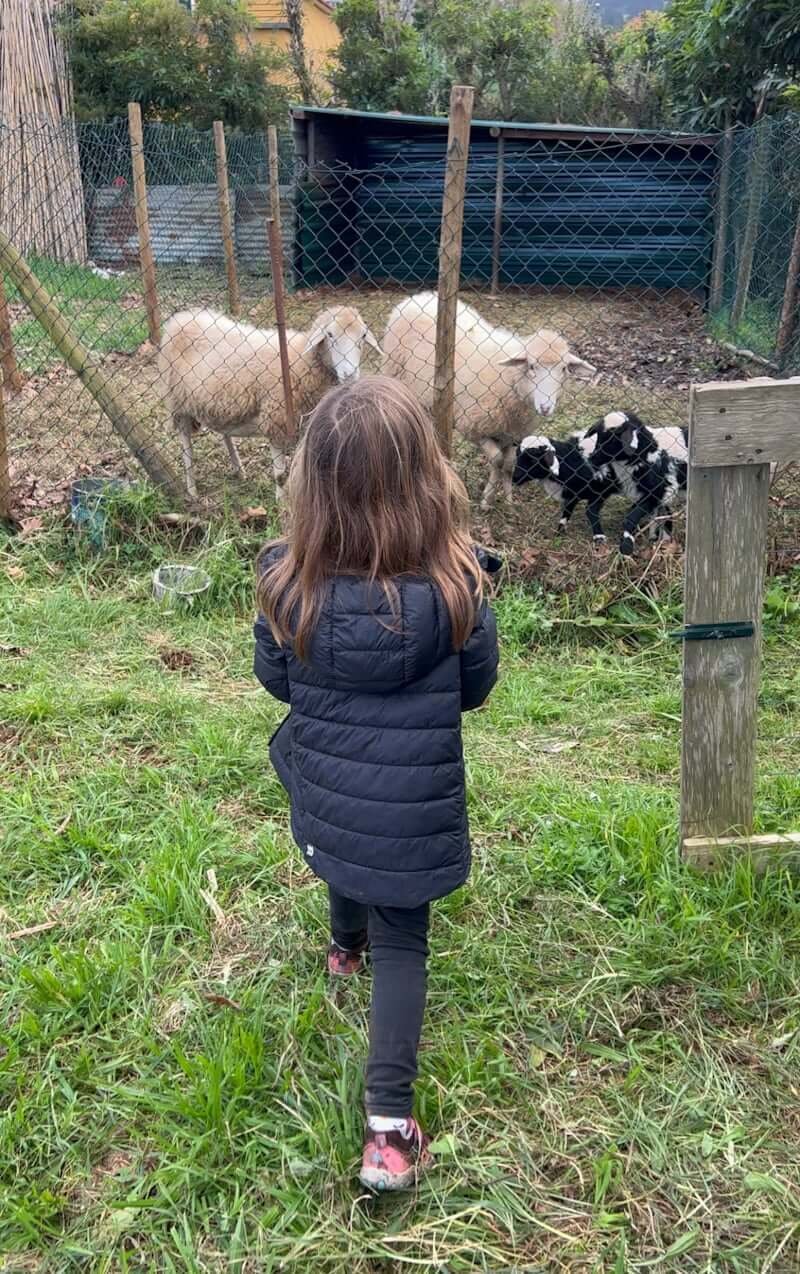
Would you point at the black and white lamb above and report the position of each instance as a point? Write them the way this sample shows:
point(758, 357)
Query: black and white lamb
point(567, 474)
point(649, 465)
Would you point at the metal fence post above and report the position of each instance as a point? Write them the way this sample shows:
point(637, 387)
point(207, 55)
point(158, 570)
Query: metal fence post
point(497, 232)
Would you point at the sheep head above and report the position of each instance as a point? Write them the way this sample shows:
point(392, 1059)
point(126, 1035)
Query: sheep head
point(340, 335)
point(620, 436)
point(536, 461)
point(547, 360)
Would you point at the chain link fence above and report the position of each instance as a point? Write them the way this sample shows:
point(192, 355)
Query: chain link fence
point(602, 273)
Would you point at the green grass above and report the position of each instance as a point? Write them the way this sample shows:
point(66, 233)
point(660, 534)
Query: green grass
point(757, 329)
point(91, 305)
point(610, 1057)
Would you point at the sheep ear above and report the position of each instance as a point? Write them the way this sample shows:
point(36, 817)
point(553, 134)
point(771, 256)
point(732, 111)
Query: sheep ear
point(594, 429)
point(514, 361)
point(316, 338)
point(579, 368)
point(370, 340)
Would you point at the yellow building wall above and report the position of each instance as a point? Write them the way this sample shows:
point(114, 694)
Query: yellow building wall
point(320, 32)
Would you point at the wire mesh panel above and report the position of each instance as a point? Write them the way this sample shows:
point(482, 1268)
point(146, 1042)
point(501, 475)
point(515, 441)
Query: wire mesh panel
point(602, 273)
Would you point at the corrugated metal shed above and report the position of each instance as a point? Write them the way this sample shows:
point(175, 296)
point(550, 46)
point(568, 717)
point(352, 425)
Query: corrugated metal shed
point(581, 207)
point(185, 227)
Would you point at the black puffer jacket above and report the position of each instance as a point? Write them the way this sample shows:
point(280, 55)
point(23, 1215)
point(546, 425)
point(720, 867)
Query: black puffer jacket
point(370, 752)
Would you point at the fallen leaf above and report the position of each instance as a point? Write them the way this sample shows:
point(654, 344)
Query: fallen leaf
point(224, 1001)
point(15, 572)
point(29, 526)
point(13, 652)
point(549, 745)
point(257, 515)
point(64, 824)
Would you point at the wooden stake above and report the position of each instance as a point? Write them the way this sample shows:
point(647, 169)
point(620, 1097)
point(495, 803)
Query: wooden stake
point(455, 181)
point(5, 469)
point(726, 551)
point(146, 259)
point(225, 217)
point(716, 292)
point(100, 386)
point(498, 214)
point(790, 298)
point(8, 360)
point(276, 258)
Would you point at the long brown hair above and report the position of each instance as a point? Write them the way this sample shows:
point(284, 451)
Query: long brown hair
point(370, 493)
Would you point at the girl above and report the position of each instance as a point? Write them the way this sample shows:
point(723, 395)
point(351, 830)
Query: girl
point(374, 630)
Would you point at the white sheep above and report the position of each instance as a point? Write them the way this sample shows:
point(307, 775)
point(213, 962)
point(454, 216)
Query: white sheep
point(499, 377)
point(226, 376)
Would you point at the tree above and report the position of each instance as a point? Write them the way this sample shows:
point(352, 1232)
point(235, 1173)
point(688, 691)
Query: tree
point(297, 52)
point(731, 61)
point(497, 47)
point(380, 64)
point(182, 67)
point(572, 88)
point(633, 67)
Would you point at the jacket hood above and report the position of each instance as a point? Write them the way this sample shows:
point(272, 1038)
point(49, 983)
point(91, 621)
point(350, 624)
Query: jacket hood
point(361, 642)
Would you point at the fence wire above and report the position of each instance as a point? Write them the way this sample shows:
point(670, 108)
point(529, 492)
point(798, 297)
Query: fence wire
point(601, 275)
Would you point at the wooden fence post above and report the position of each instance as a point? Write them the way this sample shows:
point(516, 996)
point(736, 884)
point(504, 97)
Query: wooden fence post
point(716, 291)
point(497, 236)
point(790, 299)
point(100, 386)
point(225, 217)
point(455, 181)
point(5, 469)
point(276, 259)
point(736, 430)
point(8, 360)
point(757, 177)
point(273, 175)
point(146, 259)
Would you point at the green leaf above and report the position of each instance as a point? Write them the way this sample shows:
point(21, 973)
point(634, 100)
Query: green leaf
point(444, 1146)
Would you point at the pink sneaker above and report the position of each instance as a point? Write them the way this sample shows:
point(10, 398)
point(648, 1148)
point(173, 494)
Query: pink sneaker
point(392, 1161)
point(343, 963)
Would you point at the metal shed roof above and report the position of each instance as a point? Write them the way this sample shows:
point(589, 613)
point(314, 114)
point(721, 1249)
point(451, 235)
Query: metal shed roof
point(508, 128)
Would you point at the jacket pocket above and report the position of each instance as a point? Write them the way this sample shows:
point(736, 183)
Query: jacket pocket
point(280, 752)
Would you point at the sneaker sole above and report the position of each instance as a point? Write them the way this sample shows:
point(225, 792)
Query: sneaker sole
point(379, 1180)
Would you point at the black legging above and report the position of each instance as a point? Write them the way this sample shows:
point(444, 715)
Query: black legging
point(398, 940)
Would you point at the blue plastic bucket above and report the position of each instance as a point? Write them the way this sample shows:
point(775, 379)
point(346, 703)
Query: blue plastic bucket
point(88, 507)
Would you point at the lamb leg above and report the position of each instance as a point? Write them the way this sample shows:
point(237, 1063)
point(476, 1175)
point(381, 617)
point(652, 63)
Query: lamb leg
point(236, 460)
